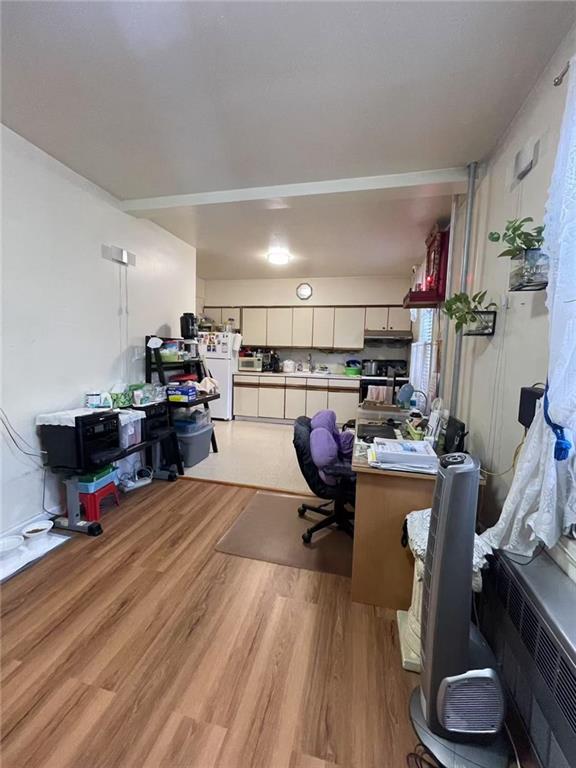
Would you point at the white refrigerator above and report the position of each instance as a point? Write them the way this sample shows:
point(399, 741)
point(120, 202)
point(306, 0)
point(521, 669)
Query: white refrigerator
point(220, 353)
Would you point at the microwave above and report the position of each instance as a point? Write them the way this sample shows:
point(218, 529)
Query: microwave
point(250, 363)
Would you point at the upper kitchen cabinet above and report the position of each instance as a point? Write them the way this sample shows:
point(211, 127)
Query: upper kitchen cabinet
point(387, 319)
point(302, 322)
point(231, 315)
point(279, 327)
point(254, 326)
point(214, 313)
point(399, 319)
point(323, 327)
point(376, 319)
point(224, 315)
point(349, 327)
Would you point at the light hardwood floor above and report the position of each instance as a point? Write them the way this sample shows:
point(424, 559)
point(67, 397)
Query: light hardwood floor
point(145, 648)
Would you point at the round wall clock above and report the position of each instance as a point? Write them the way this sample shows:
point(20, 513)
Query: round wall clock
point(304, 291)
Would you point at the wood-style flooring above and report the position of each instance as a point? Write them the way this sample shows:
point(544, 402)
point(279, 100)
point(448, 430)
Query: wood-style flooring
point(146, 648)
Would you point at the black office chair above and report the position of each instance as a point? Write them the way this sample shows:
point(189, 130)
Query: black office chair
point(338, 496)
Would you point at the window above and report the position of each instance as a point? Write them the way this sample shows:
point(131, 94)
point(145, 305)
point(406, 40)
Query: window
point(424, 366)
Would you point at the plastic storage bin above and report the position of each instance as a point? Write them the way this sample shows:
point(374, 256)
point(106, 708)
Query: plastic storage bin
point(186, 424)
point(195, 447)
point(96, 485)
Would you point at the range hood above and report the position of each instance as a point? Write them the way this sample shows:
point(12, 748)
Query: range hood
point(388, 335)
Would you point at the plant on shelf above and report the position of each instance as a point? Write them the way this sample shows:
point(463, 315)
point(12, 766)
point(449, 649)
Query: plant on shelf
point(517, 238)
point(529, 270)
point(470, 310)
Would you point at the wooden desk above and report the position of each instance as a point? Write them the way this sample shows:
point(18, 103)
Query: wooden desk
point(382, 569)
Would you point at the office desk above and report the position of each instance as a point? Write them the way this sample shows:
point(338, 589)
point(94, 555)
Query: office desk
point(382, 569)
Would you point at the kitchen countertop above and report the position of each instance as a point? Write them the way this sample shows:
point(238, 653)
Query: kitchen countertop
point(300, 374)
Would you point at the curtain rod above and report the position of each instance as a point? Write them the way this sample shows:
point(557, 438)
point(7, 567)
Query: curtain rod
point(562, 75)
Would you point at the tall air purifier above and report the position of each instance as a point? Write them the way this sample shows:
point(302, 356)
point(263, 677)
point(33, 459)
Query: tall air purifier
point(458, 710)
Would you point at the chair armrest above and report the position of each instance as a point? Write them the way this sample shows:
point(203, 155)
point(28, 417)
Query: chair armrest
point(340, 469)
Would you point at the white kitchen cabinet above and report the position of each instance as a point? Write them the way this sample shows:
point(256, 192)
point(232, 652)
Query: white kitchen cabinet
point(323, 327)
point(279, 327)
point(399, 319)
point(214, 313)
point(349, 327)
point(246, 396)
point(271, 401)
point(316, 395)
point(254, 326)
point(302, 323)
point(344, 405)
point(295, 398)
point(376, 319)
point(231, 314)
point(343, 398)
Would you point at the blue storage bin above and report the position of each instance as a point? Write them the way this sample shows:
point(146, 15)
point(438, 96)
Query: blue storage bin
point(111, 477)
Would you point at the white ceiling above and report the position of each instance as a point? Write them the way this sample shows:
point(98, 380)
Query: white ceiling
point(380, 232)
point(164, 98)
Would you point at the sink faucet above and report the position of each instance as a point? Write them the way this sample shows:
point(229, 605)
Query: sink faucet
point(310, 363)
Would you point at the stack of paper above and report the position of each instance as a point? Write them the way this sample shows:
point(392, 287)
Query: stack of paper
point(409, 453)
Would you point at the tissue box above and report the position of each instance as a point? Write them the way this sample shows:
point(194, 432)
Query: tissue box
point(181, 394)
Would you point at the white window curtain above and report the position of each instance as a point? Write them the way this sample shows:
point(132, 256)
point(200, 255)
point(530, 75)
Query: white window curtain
point(423, 358)
point(541, 503)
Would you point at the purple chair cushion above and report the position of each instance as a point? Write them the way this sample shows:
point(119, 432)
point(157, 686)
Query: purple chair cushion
point(324, 450)
point(346, 440)
point(327, 420)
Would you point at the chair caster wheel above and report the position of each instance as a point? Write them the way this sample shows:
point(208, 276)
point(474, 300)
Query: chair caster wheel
point(301, 511)
point(307, 537)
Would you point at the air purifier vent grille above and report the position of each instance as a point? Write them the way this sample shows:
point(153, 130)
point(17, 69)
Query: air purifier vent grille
point(556, 669)
point(472, 705)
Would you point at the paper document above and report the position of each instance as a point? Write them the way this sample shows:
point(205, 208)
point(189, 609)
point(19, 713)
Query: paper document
point(417, 453)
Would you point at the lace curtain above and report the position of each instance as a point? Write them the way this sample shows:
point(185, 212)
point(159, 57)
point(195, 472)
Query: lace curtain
point(541, 503)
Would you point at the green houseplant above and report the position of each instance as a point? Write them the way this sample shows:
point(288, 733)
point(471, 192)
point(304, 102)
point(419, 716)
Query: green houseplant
point(471, 311)
point(517, 238)
point(524, 246)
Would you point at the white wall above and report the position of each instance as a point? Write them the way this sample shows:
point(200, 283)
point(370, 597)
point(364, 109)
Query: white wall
point(327, 291)
point(62, 328)
point(494, 369)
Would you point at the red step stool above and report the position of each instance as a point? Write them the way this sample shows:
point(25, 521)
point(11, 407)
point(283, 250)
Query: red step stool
point(91, 501)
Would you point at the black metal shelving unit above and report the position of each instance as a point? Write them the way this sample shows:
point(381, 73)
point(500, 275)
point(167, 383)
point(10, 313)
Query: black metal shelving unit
point(155, 364)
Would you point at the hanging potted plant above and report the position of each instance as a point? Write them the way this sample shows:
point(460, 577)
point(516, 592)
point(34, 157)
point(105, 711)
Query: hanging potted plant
point(471, 313)
point(524, 247)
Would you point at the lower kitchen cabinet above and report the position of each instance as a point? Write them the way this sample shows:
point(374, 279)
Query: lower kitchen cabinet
point(294, 400)
point(344, 405)
point(246, 400)
point(271, 402)
point(316, 400)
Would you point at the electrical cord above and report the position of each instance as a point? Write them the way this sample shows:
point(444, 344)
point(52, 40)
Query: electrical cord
point(537, 552)
point(513, 465)
point(421, 758)
point(8, 424)
point(516, 756)
point(13, 434)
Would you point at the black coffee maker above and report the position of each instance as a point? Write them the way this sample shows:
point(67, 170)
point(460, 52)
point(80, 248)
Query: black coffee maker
point(188, 326)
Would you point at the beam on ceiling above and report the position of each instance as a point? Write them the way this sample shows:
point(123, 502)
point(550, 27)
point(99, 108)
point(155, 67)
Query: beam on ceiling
point(455, 176)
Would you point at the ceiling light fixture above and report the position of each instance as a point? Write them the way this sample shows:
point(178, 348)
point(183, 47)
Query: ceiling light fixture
point(279, 256)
